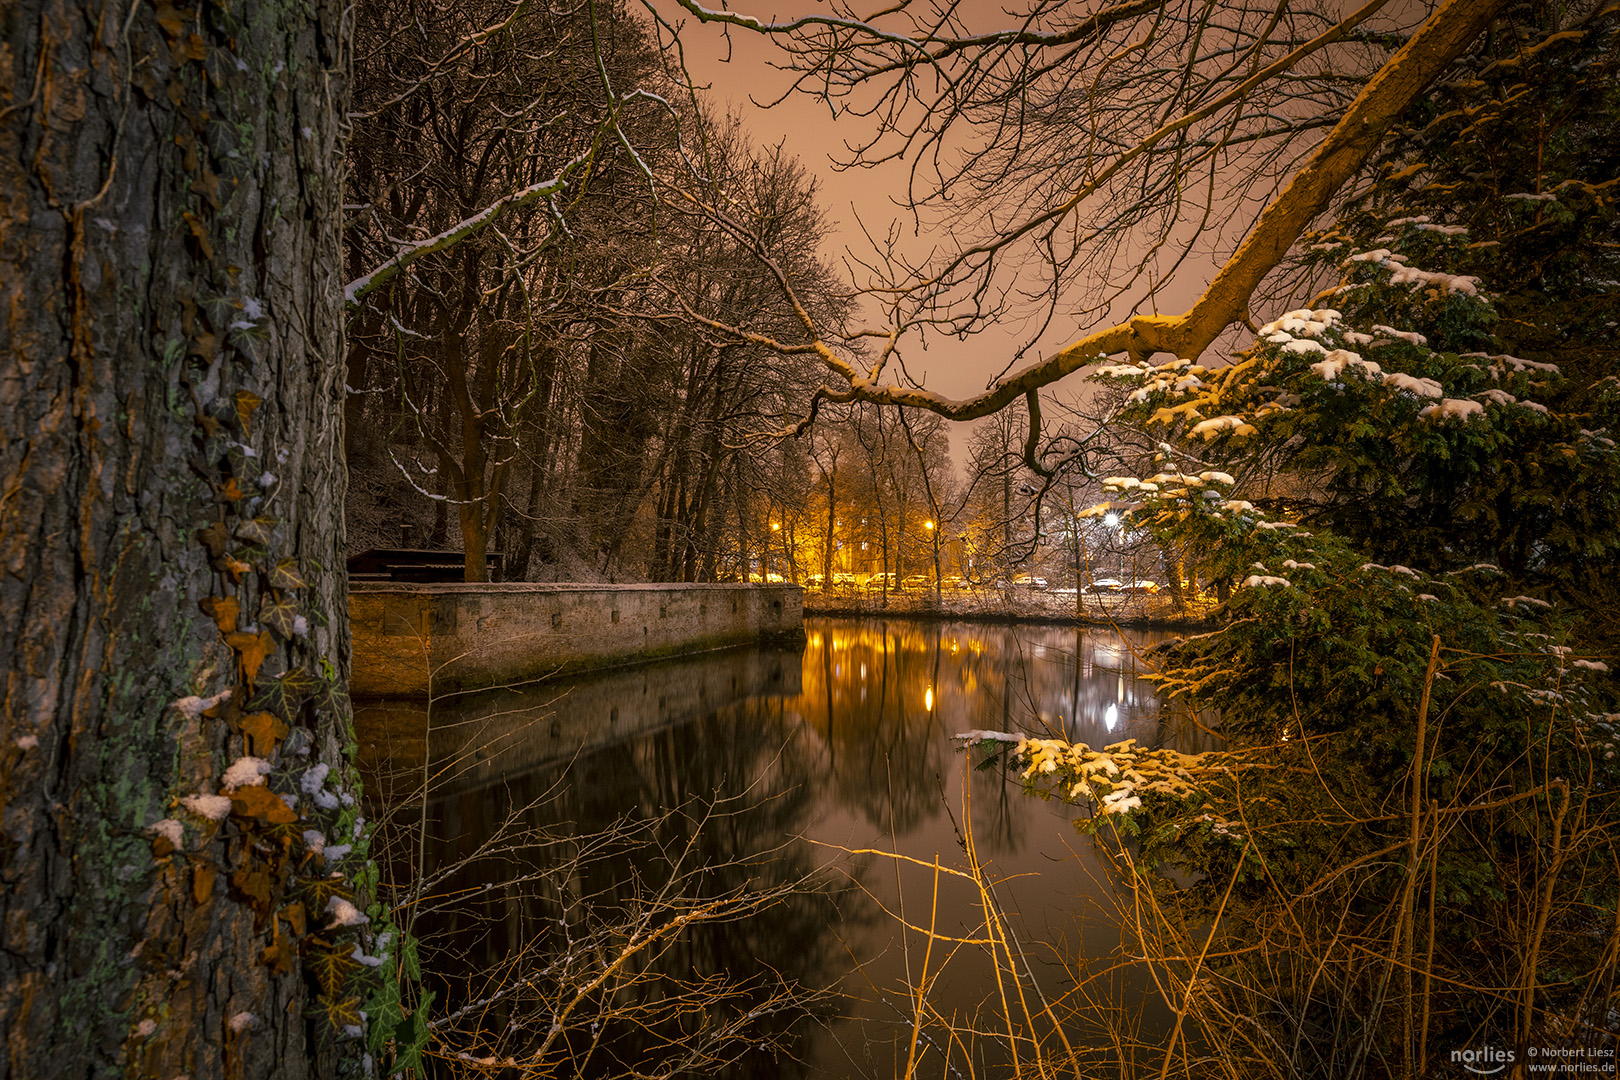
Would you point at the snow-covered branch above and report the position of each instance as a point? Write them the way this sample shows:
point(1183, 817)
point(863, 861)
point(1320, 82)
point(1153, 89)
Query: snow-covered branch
point(358, 289)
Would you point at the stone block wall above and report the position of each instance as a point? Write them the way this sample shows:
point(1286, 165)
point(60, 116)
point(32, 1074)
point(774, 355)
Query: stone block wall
point(413, 640)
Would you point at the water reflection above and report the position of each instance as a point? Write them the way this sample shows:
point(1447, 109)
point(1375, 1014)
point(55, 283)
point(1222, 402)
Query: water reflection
point(748, 770)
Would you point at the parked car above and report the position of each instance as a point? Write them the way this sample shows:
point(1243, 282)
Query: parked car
point(1140, 588)
point(1103, 585)
point(1029, 581)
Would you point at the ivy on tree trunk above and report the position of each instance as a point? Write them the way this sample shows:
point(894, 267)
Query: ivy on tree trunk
point(171, 486)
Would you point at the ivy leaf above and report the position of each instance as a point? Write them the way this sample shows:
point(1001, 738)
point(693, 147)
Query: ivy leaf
point(409, 1056)
point(253, 883)
point(279, 955)
point(202, 882)
point(384, 1013)
point(331, 697)
point(235, 567)
point(279, 613)
point(331, 965)
point(286, 575)
point(294, 914)
point(316, 893)
point(230, 492)
point(199, 232)
point(173, 23)
point(223, 610)
point(408, 959)
point(285, 694)
point(246, 402)
point(215, 538)
point(257, 531)
point(252, 650)
point(258, 801)
point(264, 731)
point(206, 185)
point(340, 1013)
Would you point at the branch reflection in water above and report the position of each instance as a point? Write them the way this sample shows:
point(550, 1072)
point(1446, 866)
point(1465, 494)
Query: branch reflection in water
point(572, 827)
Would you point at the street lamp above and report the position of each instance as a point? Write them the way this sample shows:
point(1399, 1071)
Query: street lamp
point(933, 542)
point(1112, 521)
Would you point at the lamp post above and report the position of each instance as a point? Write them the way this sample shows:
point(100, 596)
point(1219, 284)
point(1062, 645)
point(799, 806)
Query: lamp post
point(1112, 521)
point(933, 540)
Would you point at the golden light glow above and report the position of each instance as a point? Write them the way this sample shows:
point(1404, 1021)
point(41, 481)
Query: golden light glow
point(776, 526)
point(929, 525)
point(928, 699)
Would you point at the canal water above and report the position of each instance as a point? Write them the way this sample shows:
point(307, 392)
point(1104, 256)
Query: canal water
point(785, 811)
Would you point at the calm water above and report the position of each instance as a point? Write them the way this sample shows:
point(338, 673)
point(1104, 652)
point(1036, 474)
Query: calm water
point(555, 810)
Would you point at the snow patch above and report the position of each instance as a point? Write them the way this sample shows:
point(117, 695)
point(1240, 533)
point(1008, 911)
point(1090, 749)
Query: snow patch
point(1420, 387)
point(1210, 428)
point(170, 829)
point(1411, 337)
point(1339, 359)
point(978, 735)
point(344, 913)
point(245, 772)
point(1456, 408)
point(212, 807)
point(193, 707)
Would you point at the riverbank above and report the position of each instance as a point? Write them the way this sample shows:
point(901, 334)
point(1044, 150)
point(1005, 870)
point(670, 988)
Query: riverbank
point(1142, 611)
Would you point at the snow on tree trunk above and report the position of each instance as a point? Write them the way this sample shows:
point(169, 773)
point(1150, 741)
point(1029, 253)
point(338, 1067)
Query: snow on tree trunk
point(171, 489)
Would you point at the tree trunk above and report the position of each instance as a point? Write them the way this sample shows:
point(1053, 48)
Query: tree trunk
point(170, 435)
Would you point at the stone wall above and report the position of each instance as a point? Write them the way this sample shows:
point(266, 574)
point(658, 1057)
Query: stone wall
point(410, 640)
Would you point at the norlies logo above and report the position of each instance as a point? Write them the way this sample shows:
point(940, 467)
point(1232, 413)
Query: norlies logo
point(1486, 1061)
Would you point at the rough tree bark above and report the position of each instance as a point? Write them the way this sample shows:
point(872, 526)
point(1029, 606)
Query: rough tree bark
point(171, 492)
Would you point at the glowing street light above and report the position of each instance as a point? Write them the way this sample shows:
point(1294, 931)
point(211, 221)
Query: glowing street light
point(929, 525)
point(776, 527)
point(1112, 521)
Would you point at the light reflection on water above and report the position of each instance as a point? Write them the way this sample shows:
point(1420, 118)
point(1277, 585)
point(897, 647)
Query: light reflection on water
point(845, 748)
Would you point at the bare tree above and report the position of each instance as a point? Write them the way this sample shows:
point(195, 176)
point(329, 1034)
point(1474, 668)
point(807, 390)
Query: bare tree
point(481, 128)
point(1101, 145)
